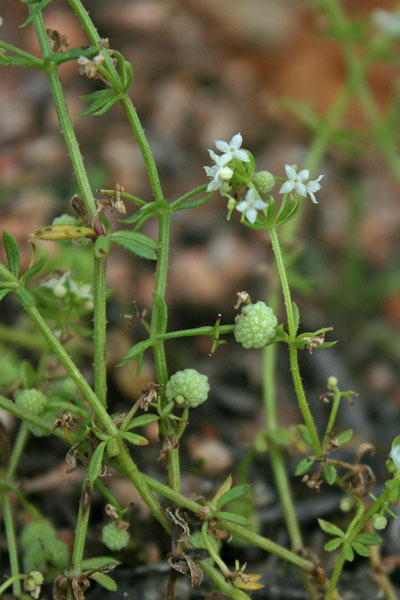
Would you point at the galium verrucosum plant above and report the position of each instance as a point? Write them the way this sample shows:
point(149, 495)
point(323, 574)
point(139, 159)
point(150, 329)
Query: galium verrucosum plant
point(97, 438)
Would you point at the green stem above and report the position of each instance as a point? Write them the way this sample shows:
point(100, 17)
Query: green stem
point(238, 530)
point(82, 522)
point(108, 495)
point(301, 398)
point(205, 330)
point(14, 580)
point(7, 508)
point(223, 568)
point(355, 530)
point(99, 330)
point(20, 338)
point(64, 118)
point(276, 457)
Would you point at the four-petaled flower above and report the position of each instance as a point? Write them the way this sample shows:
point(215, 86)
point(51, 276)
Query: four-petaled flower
point(250, 205)
point(299, 182)
point(221, 174)
point(232, 150)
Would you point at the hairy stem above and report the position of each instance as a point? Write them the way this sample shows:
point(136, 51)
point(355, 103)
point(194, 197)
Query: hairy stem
point(99, 330)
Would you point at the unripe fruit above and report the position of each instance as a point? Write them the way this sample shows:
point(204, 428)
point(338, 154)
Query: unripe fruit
point(114, 538)
point(379, 522)
point(40, 530)
point(255, 325)
point(32, 401)
point(188, 388)
point(263, 181)
point(57, 552)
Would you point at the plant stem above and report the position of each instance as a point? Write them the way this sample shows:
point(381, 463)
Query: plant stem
point(276, 457)
point(7, 508)
point(218, 579)
point(238, 530)
point(82, 522)
point(294, 366)
point(20, 338)
point(15, 579)
point(64, 118)
point(206, 330)
point(355, 530)
point(332, 416)
point(99, 330)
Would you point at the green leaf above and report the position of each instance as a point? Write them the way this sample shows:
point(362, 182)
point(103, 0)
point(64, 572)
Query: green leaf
point(34, 269)
point(35, 12)
point(95, 463)
point(194, 203)
point(271, 211)
point(12, 252)
point(348, 552)
point(135, 242)
point(162, 312)
point(370, 539)
point(98, 100)
point(344, 437)
point(361, 549)
point(136, 439)
point(151, 209)
point(223, 488)
point(305, 436)
point(142, 421)
point(329, 474)
point(233, 494)
point(104, 580)
point(287, 212)
point(136, 351)
point(99, 562)
point(296, 316)
point(330, 528)
point(238, 519)
point(279, 437)
point(303, 466)
point(4, 292)
point(333, 544)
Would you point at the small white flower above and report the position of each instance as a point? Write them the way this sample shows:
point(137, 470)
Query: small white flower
point(295, 181)
point(232, 150)
point(57, 285)
point(220, 173)
point(312, 187)
point(81, 290)
point(395, 456)
point(387, 22)
point(250, 205)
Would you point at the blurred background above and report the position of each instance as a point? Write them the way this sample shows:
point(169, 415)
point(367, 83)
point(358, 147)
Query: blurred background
point(204, 70)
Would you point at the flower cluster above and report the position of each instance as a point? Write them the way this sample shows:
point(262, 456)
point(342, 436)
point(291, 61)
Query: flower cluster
point(220, 173)
point(300, 183)
point(64, 284)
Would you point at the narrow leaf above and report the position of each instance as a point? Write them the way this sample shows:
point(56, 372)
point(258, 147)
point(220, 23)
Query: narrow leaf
point(333, 544)
point(12, 252)
point(162, 312)
point(99, 562)
point(148, 210)
point(104, 580)
point(35, 12)
point(136, 439)
point(35, 268)
point(344, 437)
point(233, 518)
point(194, 203)
point(303, 466)
point(296, 316)
point(224, 487)
point(135, 242)
point(330, 528)
point(25, 297)
point(136, 351)
point(361, 549)
point(348, 552)
point(329, 474)
point(370, 539)
point(95, 463)
point(4, 292)
point(142, 421)
point(63, 232)
point(305, 436)
point(233, 494)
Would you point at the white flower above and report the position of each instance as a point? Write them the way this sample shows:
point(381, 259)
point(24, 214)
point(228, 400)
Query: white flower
point(232, 150)
point(299, 182)
point(387, 22)
point(220, 173)
point(57, 285)
point(81, 290)
point(312, 187)
point(250, 205)
point(295, 181)
point(395, 456)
